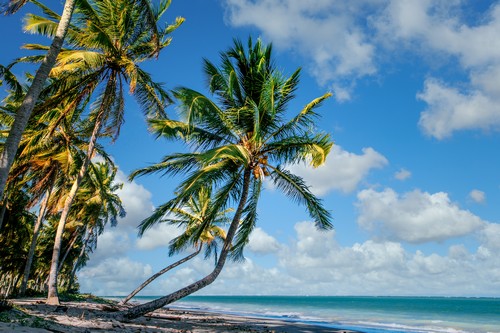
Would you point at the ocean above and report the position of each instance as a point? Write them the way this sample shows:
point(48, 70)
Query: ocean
point(366, 314)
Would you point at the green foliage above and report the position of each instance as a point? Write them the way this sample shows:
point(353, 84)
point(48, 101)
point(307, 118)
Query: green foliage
point(103, 51)
point(77, 297)
point(243, 130)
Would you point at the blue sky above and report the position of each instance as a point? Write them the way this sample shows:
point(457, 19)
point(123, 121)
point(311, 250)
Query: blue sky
point(413, 182)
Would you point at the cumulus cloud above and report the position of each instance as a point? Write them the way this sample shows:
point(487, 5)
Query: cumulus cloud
point(136, 201)
point(159, 235)
point(437, 27)
point(415, 217)
point(477, 196)
point(113, 276)
point(262, 243)
point(315, 264)
point(343, 171)
point(449, 110)
point(402, 174)
point(112, 242)
point(312, 262)
point(490, 237)
point(325, 32)
point(343, 41)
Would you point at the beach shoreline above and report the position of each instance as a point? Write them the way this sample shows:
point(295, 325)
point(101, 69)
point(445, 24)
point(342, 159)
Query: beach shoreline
point(33, 315)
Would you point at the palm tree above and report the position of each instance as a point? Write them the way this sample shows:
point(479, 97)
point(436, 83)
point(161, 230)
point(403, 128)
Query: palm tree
point(191, 217)
point(105, 45)
point(97, 205)
point(24, 112)
point(14, 239)
point(238, 140)
point(49, 152)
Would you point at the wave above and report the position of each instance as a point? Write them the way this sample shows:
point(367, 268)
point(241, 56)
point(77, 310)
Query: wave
point(373, 320)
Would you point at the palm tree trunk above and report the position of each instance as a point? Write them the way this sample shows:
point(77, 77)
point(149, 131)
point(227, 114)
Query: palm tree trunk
point(163, 271)
point(80, 255)
point(144, 308)
point(68, 249)
point(52, 297)
point(24, 112)
point(36, 232)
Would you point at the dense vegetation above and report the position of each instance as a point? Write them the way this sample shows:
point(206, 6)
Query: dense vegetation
point(61, 193)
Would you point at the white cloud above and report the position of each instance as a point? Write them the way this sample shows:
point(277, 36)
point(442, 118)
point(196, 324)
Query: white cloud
point(136, 201)
point(490, 237)
point(325, 32)
point(435, 29)
point(450, 110)
point(262, 243)
point(414, 217)
point(314, 263)
point(343, 41)
point(402, 174)
point(438, 26)
point(159, 235)
point(112, 242)
point(113, 276)
point(477, 196)
point(342, 171)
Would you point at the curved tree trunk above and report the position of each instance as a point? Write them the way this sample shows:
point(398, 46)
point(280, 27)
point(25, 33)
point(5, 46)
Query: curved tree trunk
point(36, 232)
point(52, 297)
point(142, 309)
point(24, 112)
point(163, 271)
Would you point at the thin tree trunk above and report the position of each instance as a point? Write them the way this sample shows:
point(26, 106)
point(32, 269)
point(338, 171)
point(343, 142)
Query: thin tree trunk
point(24, 112)
point(68, 249)
point(52, 297)
point(163, 271)
point(9, 286)
point(80, 255)
point(36, 232)
point(144, 308)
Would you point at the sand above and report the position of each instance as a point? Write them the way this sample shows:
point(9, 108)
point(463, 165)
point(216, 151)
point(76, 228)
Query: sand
point(33, 315)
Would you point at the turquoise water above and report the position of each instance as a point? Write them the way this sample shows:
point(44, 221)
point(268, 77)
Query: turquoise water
point(367, 314)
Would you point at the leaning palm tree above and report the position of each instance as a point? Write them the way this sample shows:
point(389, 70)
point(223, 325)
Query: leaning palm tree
point(104, 47)
point(48, 155)
point(24, 112)
point(191, 218)
point(238, 140)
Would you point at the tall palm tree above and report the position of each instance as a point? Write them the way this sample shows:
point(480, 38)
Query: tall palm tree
point(97, 204)
point(51, 150)
point(104, 47)
point(239, 139)
point(24, 112)
point(191, 218)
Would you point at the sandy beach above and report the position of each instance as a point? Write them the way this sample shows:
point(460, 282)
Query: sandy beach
point(33, 315)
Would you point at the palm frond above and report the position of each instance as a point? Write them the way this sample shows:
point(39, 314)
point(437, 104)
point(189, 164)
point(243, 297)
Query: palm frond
point(248, 222)
point(172, 165)
point(297, 149)
point(12, 6)
point(295, 188)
